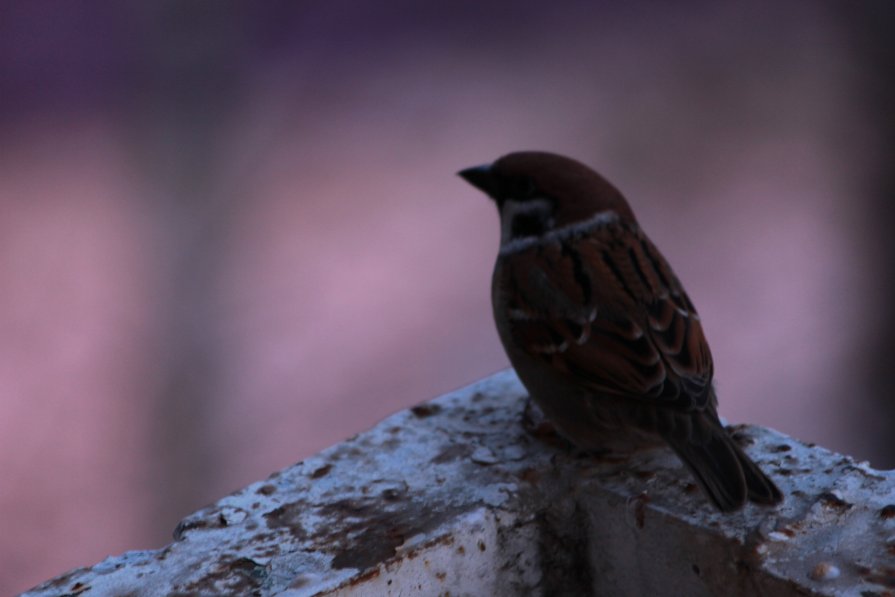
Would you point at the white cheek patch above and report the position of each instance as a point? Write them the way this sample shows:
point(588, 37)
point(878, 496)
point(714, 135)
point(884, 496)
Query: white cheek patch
point(511, 210)
point(511, 245)
point(598, 220)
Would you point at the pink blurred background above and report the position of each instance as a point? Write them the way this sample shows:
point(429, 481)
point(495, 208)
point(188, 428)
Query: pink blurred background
point(232, 234)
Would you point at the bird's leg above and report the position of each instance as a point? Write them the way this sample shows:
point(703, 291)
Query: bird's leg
point(535, 423)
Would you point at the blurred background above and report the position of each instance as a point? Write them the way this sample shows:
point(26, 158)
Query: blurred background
point(231, 232)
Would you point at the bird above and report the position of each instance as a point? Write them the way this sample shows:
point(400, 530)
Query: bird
point(599, 328)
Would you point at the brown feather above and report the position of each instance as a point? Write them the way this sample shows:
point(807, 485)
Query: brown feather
point(599, 327)
point(642, 343)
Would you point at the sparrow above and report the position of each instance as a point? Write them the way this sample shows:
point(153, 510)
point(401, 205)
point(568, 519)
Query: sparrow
point(600, 329)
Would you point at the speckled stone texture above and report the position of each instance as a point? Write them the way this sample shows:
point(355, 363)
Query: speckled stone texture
point(457, 497)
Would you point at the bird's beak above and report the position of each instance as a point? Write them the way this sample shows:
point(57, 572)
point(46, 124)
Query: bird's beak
point(482, 178)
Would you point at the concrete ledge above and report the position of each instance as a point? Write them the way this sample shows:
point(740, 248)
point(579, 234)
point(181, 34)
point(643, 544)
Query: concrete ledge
point(453, 497)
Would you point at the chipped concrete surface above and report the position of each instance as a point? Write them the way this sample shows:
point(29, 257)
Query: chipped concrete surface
point(454, 497)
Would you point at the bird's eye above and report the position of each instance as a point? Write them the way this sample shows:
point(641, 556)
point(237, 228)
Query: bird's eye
point(530, 188)
point(522, 188)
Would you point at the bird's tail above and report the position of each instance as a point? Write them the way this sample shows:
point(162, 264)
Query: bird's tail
point(728, 476)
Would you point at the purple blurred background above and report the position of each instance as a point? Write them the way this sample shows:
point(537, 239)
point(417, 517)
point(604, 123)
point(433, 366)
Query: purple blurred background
point(232, 234)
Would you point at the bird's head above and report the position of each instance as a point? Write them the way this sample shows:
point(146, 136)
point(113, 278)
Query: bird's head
point(536, 192)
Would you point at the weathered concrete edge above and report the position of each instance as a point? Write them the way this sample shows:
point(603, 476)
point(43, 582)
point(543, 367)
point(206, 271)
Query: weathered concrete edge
point(454, 495)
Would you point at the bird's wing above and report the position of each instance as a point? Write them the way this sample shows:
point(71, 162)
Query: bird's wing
point(605, 307)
